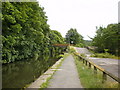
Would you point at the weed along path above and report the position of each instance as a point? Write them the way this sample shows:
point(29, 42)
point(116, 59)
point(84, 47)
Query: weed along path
point(66, 76)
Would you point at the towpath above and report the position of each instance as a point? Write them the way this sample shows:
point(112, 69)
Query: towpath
point(66, 76)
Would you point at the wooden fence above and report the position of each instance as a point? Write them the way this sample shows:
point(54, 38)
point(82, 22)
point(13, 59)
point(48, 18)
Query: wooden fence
point(105, 73)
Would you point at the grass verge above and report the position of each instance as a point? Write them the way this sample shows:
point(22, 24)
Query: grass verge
point(105, 55)
point(91, 80)
point(45, 85)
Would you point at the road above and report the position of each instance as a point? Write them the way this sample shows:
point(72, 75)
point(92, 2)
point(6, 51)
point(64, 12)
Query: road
point(66, 76)
point(110, 65)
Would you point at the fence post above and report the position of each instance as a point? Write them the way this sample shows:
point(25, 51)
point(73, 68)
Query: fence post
point(86, 62)
point(95, 70)
point(104, 77)
point(89, 65)
point(83, 60)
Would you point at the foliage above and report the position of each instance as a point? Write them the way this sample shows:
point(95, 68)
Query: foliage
point(73, 37)
point(87, 42)
point(60, 56)
point(25, 32)
point(80, 45)
point(108, 38)
point(45, 84)
point(71, 49)
point(104, 55)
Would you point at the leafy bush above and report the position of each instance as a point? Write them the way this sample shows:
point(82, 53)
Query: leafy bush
point(80, 45)
point(60, 56)
point(107, 39)
point(26, 34)
point(71, 49)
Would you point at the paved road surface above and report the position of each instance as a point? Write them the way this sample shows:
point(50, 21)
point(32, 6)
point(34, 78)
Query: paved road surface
point(66, 76)
point(110, 65)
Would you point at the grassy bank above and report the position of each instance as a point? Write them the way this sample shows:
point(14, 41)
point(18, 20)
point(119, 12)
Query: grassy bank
point(91, 80)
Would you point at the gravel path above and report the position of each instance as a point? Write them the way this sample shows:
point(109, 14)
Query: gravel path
point(66, 76)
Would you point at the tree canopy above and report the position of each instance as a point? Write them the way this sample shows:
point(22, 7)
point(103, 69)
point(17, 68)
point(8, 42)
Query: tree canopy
point(73, 37)
point(108, 38)
point(25, 32)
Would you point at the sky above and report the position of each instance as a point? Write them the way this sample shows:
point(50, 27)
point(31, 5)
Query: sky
point(84, 15)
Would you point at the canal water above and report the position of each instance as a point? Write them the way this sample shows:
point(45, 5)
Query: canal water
point(21, 73)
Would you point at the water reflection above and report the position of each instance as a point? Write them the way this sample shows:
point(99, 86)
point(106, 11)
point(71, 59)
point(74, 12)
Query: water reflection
point(21, 73)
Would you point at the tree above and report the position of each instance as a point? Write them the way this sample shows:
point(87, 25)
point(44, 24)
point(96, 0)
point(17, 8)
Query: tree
point(56, 38)
point(73, 37)
point(107, 38)
point(25, 32)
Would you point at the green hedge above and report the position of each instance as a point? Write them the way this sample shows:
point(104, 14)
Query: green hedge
point(25, 32)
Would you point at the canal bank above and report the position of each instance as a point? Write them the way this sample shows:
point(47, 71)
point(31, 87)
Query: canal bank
point(21, 73)
point(47, 75)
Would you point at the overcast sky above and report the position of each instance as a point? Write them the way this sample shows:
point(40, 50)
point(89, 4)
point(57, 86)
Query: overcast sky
point(84, 15)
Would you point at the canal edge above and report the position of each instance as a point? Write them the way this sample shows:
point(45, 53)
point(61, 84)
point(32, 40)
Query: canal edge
point(47, 75)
